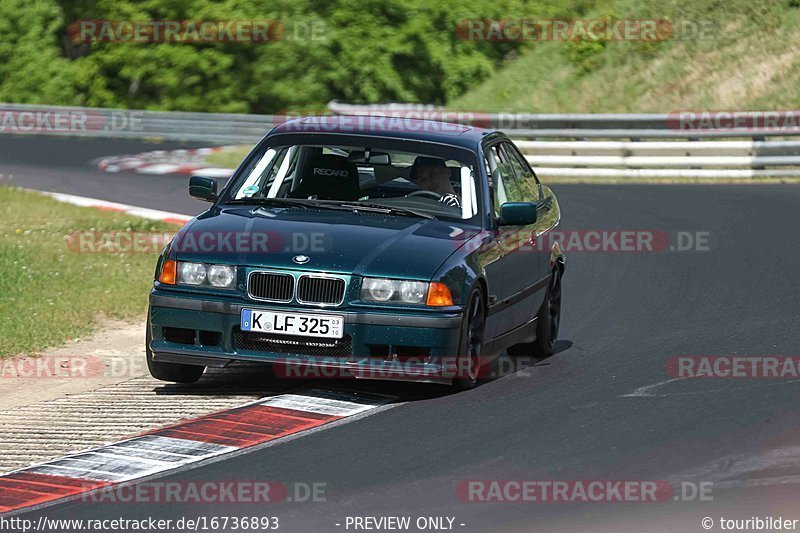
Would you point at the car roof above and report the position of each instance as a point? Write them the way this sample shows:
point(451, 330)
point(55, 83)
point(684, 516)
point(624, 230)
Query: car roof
point(390, 127)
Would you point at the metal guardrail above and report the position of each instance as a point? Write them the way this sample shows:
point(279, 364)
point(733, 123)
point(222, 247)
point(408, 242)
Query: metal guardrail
point(557, 144)
point(655, 148)
point(579, 126)
point(659, 159)
point(658, 145)
point(212, 128)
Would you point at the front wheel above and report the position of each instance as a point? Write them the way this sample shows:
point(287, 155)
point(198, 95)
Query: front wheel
point(468, 363)
point(174, 372)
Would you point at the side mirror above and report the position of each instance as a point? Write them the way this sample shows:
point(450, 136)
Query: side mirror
point(517, 213)
point(203, 188)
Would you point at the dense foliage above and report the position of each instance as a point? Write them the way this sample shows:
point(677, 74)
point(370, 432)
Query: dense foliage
point(362, 51)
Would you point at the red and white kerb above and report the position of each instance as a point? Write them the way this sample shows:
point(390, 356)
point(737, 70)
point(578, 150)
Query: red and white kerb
point(188, 442)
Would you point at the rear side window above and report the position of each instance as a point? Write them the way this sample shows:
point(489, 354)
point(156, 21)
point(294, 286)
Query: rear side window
point(503, 180)
point(526, 180)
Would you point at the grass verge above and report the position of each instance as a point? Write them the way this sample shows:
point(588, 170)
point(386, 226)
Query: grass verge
point(229, 156)
point(746, 58)
point(50, 293)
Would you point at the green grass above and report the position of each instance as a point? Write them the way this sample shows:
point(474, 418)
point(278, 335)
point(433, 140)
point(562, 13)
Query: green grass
point(750, 61)
point(229, 156)
point(50, 294)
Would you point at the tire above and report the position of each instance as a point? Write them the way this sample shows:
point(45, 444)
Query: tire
point(174, 372)
point(468, 363)
point(547, 323)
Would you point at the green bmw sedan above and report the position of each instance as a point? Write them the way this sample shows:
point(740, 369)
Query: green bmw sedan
point(362, 247)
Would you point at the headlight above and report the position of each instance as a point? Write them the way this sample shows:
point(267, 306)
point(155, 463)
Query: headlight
point(199, 274)
point(191, 273)
point(379, 290)
point(400, 291)
point(413, 292)
point(221, 275)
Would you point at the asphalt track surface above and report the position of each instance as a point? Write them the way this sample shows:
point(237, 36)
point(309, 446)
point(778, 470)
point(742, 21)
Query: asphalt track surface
point(601, 408)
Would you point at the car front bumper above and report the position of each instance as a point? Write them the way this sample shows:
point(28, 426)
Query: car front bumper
point(391, 345)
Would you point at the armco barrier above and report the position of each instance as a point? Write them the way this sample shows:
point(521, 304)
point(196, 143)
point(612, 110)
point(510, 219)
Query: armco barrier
point(213, 128)
point(590, 145)
point(575, 145)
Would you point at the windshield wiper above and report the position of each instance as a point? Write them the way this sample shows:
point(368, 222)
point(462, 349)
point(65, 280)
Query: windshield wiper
point(274, 202)
point(378, 208)
point(334, 206)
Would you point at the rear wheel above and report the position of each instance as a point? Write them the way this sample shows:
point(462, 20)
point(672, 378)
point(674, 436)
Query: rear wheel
point(468, 363)
point(175, 372)
point(547, 322)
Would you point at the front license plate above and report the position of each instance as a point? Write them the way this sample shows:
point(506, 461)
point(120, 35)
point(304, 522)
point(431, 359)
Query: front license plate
point(305, 325)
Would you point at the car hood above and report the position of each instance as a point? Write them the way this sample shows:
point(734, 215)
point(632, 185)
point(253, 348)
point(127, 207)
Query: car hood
point(363, 243)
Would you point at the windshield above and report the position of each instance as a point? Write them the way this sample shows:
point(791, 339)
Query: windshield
point(410, 178)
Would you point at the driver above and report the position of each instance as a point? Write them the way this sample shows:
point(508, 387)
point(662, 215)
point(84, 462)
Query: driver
point(431, 174)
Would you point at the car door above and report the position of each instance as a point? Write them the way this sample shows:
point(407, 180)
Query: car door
point(491, 253)
point(515, 258)
point(532, 262)
point(522, 264)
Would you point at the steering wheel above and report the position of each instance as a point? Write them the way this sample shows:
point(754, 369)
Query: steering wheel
point(426, 193)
